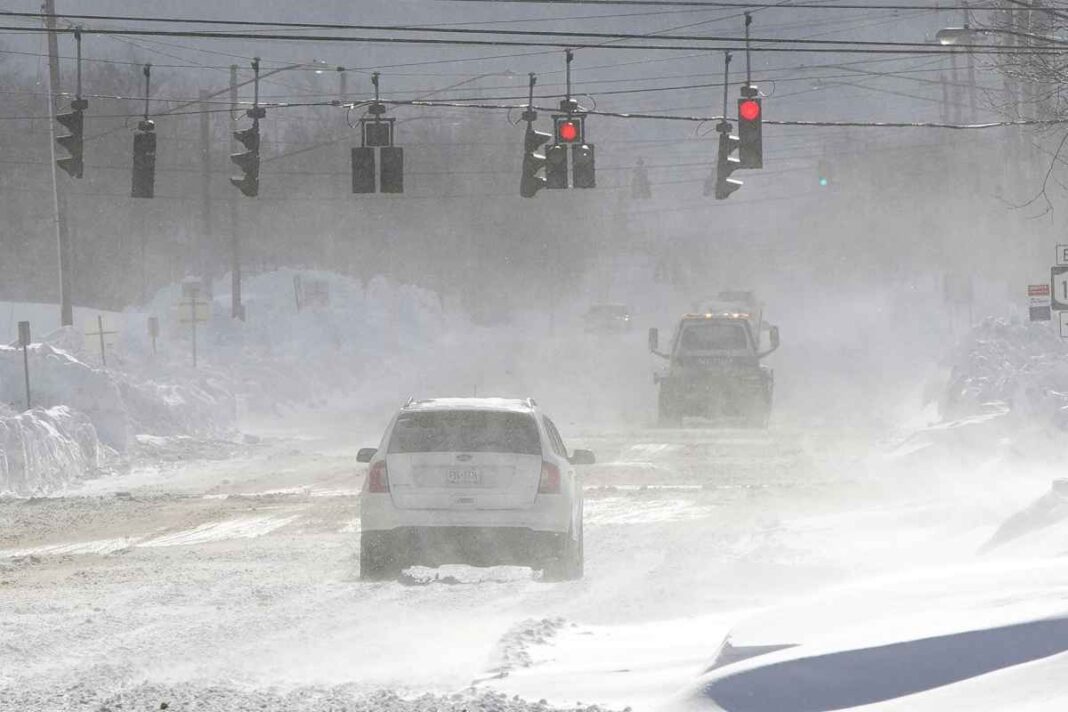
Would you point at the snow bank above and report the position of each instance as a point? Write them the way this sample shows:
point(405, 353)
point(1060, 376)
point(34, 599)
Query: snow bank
point(43, 450)
point(85, 415)
point(934, 640)
point(118, 404)
point(1019, 366)
point(285, 355)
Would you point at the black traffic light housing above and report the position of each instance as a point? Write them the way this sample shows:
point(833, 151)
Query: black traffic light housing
point(725, 163)
point(569, 129)
point(533, 162)
point(143, 184)
point(750, 129)
point(248, 160)
point(582, 166)
point(73, 121)
point(556, 166)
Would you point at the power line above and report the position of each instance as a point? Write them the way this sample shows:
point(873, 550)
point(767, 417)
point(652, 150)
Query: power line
point(752, 5)
point(852, 46)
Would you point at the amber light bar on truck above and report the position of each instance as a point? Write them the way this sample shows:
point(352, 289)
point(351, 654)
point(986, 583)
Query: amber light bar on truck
point(720, 315)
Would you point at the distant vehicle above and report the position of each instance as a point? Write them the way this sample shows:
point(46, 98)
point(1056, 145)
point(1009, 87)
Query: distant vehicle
point(607, 318)
point(714, 368)
point(481, 481)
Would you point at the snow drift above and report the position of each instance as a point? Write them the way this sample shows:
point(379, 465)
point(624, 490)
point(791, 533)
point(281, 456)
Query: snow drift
point(42, 450)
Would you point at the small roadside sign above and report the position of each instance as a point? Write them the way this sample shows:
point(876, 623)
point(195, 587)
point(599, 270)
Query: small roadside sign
point(1058, 283)
point(1062, 254)
point(1038, 302)
point(1063, 324)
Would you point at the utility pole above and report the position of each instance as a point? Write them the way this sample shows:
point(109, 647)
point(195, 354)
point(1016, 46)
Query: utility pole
point(202, 260)
point(59, 198)
point(237, 311)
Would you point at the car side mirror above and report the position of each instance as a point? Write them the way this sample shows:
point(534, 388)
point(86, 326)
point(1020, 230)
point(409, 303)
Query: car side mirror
point(774, 336)
point(366, 454)
point(582, 457)
point(654, 339)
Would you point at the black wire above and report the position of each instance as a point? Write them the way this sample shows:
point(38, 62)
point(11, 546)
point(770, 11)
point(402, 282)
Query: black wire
point(752, 5)
point(465, 31)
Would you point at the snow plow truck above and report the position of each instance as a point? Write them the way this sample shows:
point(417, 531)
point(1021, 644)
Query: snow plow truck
point(713, 366)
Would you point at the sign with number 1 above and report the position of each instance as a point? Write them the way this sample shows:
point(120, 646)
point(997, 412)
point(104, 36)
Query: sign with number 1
point(1058, 284)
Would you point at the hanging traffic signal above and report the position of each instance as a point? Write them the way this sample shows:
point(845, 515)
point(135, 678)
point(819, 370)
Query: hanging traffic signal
point(568, 129)
point(582, 167)
point(74, 121)
point(640, 187)
point(533, 162)
point(144, 161)
point(726, 164)
point(249, 160)
point(823, 173)
point(363, 170)
point(392, 178)
point(556, 166)
point(750, 118)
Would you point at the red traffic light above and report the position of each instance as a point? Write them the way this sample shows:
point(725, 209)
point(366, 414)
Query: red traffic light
point(749, 110)
point(567, 131)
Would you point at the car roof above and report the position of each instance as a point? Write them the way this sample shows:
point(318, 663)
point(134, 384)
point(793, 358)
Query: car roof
point(512, 405)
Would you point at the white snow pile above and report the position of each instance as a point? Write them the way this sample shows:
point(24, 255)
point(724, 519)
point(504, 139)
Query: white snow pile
point(992, 636)
point(362, 341)
point(1004, 364)
point(41, 449)
point(85, 417)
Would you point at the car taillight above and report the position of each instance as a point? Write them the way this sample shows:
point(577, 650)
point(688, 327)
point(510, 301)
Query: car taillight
point(550, 479)
point(378, 478)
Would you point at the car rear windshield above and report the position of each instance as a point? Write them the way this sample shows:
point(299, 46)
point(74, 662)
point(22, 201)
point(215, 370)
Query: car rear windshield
point(465, 431)
point(713, 336)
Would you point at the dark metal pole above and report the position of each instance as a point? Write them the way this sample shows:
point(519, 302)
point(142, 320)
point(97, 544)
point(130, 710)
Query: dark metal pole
point(726, 75)
point(193, 324)
point(59, 198)
point(202, 260)
point(236, 311)
point(100, 330)
point(26, 370)
point(748, 67)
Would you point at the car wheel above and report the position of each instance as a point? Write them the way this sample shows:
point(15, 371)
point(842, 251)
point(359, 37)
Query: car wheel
point(667, 412)
point(568, 563)
point(378, 561)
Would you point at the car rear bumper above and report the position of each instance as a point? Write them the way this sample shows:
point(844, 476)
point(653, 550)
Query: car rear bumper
point(549, 513)
point(476, 546)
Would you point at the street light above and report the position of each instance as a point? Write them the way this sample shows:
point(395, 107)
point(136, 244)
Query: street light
point(966, 35)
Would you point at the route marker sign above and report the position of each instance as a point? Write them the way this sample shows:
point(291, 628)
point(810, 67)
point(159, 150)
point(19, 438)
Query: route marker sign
point(1062, 254)
point(1058, 283)
point(1038, 301)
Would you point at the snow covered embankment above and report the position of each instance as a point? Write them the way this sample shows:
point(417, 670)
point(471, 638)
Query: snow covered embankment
point(43, 449)
point(1021, 367)
point(86, 417)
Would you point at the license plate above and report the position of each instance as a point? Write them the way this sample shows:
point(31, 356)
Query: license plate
point(464, 477)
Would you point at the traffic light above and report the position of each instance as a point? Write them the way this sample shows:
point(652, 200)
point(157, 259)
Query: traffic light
point(823, 173)
point(248, 161)
point(640, 187)
point(569, 129)
point(392, 177)
point(144, 161)
point(533, 162)
point(74, 121)
point(726, 164)
point(556, 166)
point(750, 118)
point(582, 168)
point(363, 170)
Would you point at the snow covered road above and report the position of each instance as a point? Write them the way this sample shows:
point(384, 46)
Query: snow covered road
point(232, 583)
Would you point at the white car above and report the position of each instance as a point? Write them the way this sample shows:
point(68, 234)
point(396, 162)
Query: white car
point(480, 481)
